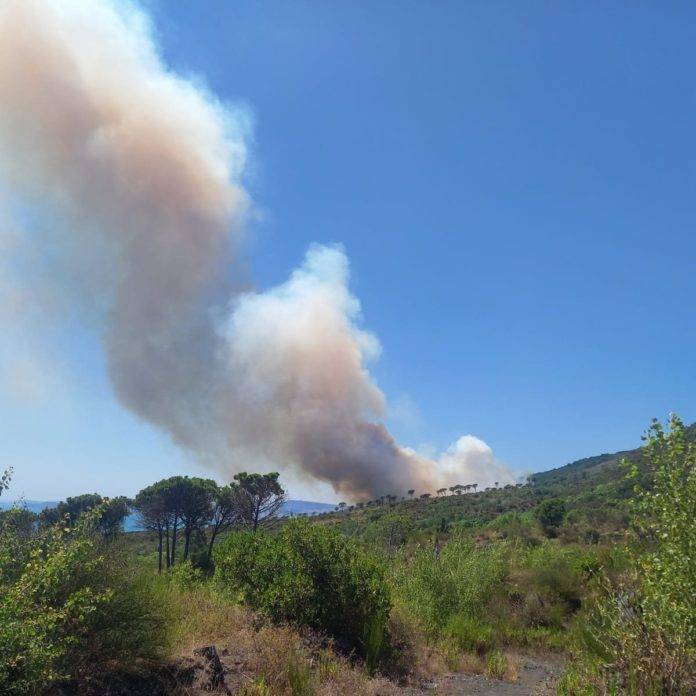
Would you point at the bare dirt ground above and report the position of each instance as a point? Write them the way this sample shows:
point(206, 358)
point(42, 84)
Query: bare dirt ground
point(536, 678)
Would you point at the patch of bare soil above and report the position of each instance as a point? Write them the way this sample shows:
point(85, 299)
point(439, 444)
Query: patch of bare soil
point(536, 678)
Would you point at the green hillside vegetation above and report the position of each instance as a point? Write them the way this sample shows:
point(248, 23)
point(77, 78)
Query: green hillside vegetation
point(591, 565)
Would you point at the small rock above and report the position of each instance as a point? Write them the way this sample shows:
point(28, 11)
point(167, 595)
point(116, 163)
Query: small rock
point(212, 673)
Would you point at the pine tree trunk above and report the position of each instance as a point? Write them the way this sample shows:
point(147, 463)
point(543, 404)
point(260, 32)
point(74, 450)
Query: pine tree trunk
point(166, 538)
point(174, 528)
point(187, 540)
point(213, 534)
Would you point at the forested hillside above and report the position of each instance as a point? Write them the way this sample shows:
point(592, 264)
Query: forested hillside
point(594, 491)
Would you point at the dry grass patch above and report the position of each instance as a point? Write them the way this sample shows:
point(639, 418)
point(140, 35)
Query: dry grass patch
point(503, 666)
point(266, 660)
point(204, 618)
point(468, 663)
point(417, 655)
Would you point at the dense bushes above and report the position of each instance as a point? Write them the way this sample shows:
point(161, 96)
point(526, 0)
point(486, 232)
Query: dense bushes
point(475, 598)
point(640, 635)
point(550, 514)
point(311, 575)
point(550, 582)
point(458, 581)
point(67, 610)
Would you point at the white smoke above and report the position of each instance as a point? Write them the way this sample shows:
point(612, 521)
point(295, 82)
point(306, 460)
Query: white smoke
point(471, 460)
point(140, 173)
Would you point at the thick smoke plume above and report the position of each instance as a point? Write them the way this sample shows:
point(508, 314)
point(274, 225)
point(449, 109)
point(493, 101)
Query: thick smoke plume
point(139, 172)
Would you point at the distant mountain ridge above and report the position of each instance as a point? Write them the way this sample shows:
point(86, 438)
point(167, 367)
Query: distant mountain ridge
point(607, 463)
point(33, 505)
point(307, 507)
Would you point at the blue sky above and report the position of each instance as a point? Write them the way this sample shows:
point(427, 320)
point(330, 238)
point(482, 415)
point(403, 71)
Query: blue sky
point(514, 186)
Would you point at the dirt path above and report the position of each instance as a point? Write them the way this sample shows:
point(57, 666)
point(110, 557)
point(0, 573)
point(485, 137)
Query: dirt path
point(222, 674)
point(536, 678)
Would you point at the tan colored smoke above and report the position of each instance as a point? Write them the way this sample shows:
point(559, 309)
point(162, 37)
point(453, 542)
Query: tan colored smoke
point(140, 172)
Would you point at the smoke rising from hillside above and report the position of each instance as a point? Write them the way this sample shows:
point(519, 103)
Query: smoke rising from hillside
point(140, 173)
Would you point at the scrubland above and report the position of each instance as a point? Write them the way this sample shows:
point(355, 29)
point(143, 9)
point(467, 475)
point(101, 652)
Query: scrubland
point(591, 567)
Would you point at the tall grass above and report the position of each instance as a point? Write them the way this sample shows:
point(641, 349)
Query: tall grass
point(460, 580)
point(476, 599)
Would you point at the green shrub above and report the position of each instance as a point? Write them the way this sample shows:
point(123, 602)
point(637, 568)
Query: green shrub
point(513, 525)
point(310, 575)
point(550, 514)
point(19, 522)
point(185, 575)
point(470, 634)
point(391, 531)
point(639, 637)
point(67, 611)
point(554, 580)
